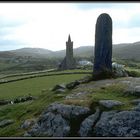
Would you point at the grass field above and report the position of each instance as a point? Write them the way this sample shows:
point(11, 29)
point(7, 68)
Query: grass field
point(34, 86)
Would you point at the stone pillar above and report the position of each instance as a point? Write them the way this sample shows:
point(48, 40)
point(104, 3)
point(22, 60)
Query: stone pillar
point(103, 47)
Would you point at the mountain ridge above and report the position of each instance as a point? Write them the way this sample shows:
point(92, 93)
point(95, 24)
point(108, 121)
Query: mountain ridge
point(122, 50)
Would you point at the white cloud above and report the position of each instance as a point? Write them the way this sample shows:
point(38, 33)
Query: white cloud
point(48, 24)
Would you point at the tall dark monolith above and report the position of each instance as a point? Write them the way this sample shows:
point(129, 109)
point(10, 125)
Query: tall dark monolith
point(103, 47)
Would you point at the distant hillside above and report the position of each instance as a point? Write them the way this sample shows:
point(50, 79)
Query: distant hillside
point(123, 51)
point(129, 51)
point(34, 52)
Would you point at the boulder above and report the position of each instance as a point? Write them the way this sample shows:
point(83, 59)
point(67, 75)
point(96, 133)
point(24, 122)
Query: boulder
point(72, 84)
point(57, 87)
point(50, 124)
point(68, 111)
point(55, 120)
point(86, 127)
point(118, 124)
point(110, 103)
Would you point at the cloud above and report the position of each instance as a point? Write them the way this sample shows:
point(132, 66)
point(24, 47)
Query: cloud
point(48, 25)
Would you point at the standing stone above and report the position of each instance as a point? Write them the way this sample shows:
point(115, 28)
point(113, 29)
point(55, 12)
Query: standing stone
point(69, 61)
point(103, 47)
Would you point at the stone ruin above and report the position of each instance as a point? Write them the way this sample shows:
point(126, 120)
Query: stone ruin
point(103, 47)
point(69, 61)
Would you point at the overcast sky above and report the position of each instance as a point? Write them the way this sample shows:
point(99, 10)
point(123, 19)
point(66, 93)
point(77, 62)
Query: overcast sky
point(47, 25)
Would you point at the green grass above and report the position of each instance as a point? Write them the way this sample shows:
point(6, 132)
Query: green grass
point(32, 109)
point(34, 86)
point(113, 92)
point(27, 110)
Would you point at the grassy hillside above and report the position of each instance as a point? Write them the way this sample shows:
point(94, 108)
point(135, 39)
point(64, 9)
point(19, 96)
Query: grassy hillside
point(40, 87)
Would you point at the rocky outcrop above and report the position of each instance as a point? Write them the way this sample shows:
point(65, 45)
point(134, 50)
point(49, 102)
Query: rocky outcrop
point(58, 120)
point(50, 124)
point(86, 127)
point(118, 124)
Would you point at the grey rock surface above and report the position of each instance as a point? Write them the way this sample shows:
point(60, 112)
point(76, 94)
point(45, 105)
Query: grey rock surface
point(55, 120)
point(68, 111)
point(51, 124)
point(118, 124)
point(86, 127)
point(110, 103)
point(28, 123)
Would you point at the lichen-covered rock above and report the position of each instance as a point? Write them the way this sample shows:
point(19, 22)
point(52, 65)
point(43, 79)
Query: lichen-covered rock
point(28, 123)
point(55, 120)
point(6, 122)
point(86, 127)
point(68, 111)
point(110, 103)
point(50, 124)
point(118, 124)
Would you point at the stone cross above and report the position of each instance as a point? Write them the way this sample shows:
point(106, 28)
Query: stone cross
point(103, 47)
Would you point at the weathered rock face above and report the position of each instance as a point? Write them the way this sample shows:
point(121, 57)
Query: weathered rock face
point(103, 46)
point(86, 127)
point(68, 111)
point(50, 124)
point(28, 123)
point(56, 120)
point(118, 124)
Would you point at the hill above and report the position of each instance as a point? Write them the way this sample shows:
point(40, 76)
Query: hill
point(123, 51)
